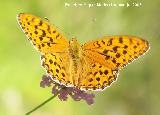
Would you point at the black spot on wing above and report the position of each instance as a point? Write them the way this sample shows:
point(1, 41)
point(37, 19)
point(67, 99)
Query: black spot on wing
point(36, 27)
point(40, 23)
point(35, 32)
point(107, 57)
point(41, 38)
point(50, 61)
point(95, 73)
point(28, 23)
point(49, 44)
point(90, 80)
point(118, 55)
point(110, 42)
point(63, 74)
point(103, 42)
point(43, 33)
point(57, 70)
point(115, 48)
point(105, 51)
point(124, 51)
point(98, 79)
point(100, 72)
point(97, 44)
point(94, 65)
point(114, 60)
point(135, 47)
point(106, 72)
point(51, 40)
point(120, 40)
point(43, 45)
point(57, 36)
point(125, 46)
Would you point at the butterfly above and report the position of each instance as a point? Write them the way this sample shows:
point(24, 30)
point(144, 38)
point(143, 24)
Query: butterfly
point(92, 66)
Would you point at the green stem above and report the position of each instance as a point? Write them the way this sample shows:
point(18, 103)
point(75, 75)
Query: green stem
point(46, 101)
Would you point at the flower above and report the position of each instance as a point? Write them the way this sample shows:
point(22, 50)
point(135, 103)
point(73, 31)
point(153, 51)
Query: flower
point(63, 92)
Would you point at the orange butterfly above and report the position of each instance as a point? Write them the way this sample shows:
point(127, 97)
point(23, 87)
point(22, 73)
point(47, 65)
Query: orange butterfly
point(92, 66)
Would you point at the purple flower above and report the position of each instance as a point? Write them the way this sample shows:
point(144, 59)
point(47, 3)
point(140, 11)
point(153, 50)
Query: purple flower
point(46, 81)
point(63, 92)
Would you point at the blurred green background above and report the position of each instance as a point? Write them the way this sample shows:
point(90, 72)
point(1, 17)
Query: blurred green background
point(136, 91)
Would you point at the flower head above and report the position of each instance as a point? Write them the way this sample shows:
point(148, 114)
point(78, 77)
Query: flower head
point(63, 92)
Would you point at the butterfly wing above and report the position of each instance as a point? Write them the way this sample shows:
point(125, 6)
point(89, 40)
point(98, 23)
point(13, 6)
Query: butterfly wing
point(42, 34)
point(95, 76)
point(52, 45)
point(103, 58)
point(58, 67)
point(115, 51)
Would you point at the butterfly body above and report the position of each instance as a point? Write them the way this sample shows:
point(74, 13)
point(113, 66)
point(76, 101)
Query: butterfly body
point(75, 53)
point(92, 66)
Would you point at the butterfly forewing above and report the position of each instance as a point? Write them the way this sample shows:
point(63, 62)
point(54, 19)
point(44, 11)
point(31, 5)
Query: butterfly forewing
point(115, 51)
point(42, 34)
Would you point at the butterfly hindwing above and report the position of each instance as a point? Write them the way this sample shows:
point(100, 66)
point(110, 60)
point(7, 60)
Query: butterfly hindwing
point(57, 67)
point(95, 76)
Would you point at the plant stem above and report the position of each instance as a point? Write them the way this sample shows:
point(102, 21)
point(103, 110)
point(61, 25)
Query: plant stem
point(42, 104)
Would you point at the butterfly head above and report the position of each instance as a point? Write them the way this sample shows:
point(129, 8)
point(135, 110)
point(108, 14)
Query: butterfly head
point(74, 40)
point(74, 47)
